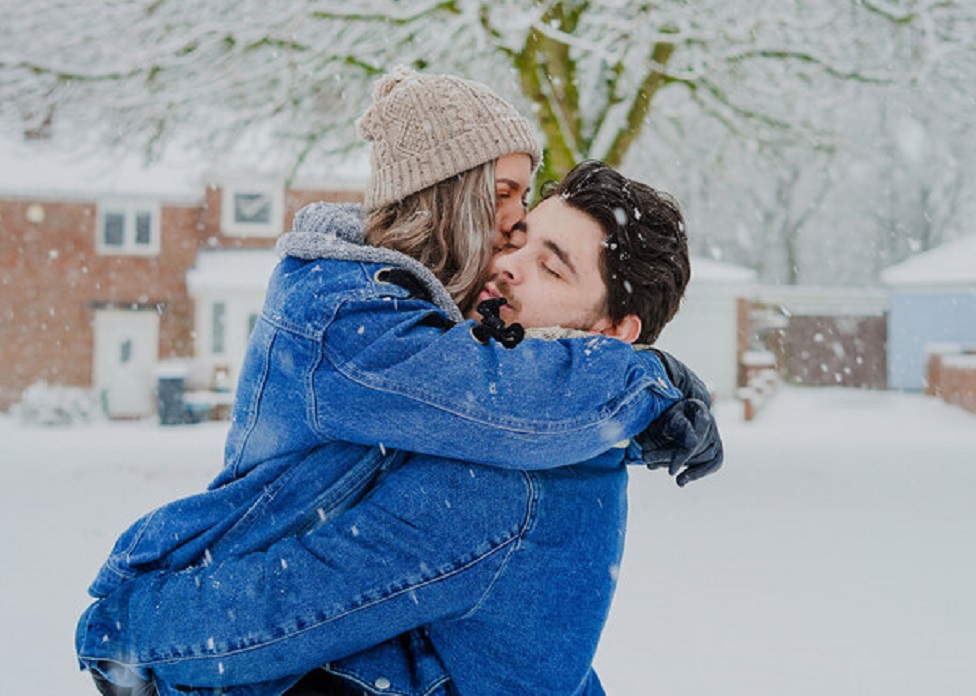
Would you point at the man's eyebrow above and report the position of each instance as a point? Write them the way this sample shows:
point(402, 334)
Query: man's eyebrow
point(561, 255)
point(523, 226)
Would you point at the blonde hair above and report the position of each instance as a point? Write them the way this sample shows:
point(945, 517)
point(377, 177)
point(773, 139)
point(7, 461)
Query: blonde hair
point(448, 227)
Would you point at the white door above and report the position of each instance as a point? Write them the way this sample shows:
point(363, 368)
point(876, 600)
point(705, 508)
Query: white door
point(126, 350)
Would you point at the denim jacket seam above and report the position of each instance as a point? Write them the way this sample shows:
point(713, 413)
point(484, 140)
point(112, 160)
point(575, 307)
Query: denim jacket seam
point(515, 425)
point(283, 322)
point(332, 497)
point(312, 401)
point(280, 323)
point(268, 493)
point(112, 566)
point(535, 487)
point(369, 290)
point(176, 654)
point(528, 521)
point(252, 407)
point(348, 484)
point(127, 554)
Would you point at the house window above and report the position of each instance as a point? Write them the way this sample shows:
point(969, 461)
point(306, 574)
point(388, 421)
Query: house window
point(218, 328)
point(255, 210)
point(144, 223)
point(128, 228)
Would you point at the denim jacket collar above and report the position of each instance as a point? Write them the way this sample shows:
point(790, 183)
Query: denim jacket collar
point(335, 231)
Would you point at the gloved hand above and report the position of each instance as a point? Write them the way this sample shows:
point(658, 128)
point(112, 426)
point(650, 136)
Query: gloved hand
point(135, 685)
point(685, 437)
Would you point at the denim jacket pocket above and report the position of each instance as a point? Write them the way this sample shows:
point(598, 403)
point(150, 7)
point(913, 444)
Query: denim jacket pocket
point(403, 666)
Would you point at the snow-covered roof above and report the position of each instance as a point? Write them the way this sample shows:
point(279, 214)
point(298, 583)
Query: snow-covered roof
point(61, 167)
point(709, 271)
point(50, 168)
point(953, 263)
point(231, 270)
point(816, 300)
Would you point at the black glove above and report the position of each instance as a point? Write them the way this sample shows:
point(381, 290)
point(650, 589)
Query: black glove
point(686, 381)
point(137, 688)
point(685, 437)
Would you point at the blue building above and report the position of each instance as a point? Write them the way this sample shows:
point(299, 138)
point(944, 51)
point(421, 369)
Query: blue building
point(933, 301)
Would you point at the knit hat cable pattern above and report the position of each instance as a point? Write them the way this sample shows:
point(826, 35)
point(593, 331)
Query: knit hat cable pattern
point(428, 128)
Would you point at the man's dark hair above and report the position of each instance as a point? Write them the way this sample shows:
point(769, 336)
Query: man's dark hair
point(644, 263)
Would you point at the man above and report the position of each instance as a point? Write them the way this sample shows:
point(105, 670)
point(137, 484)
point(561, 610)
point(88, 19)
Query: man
point(464, 579)
point(545, 269)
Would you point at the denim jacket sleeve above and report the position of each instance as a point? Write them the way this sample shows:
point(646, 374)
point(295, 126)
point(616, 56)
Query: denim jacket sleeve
point(394, 373)
point(402, 558)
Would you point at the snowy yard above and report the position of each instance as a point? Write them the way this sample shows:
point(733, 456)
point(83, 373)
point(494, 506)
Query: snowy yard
point(835, 554)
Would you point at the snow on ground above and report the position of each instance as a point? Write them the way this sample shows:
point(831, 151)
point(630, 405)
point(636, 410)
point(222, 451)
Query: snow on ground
point(834, 554)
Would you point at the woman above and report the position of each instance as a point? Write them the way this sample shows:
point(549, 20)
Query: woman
point(362, 348)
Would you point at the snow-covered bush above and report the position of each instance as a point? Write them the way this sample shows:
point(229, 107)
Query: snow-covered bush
point(49, 404)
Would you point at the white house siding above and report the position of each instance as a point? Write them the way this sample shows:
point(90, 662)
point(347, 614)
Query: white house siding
point(703, 333)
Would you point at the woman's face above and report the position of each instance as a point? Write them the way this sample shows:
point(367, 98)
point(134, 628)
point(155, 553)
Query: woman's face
point(513, 177)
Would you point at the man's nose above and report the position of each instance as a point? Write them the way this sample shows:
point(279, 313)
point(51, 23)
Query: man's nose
point(507, 265)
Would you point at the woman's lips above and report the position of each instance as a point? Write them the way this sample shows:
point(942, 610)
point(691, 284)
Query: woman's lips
point(487, 293)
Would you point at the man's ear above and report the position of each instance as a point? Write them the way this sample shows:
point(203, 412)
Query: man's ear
point(627, 329)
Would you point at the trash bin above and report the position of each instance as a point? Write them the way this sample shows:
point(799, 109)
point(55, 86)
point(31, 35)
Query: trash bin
point(171, 377)
point(171, 400)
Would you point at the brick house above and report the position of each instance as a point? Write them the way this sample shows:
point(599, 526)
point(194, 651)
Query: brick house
point(108, 272)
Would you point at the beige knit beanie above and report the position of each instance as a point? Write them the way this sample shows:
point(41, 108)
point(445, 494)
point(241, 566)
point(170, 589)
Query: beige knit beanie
point(428, 128)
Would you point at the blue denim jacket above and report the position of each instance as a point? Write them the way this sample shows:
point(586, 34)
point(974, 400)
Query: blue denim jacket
point(509, 573)
point(342, 368)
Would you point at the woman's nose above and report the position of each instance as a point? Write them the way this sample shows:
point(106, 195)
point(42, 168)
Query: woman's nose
point(506, 215)
point(499, 241)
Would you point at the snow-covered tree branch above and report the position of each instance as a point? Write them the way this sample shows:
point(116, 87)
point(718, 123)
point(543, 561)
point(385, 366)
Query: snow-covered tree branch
point(601, 78)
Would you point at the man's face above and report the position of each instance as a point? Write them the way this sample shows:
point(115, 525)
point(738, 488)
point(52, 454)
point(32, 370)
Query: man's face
point(549, 270)
point(513, 176)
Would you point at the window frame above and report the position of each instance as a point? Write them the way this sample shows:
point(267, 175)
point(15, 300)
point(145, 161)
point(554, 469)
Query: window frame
point(231, 226)
point(218, 328)
point(130, 210)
